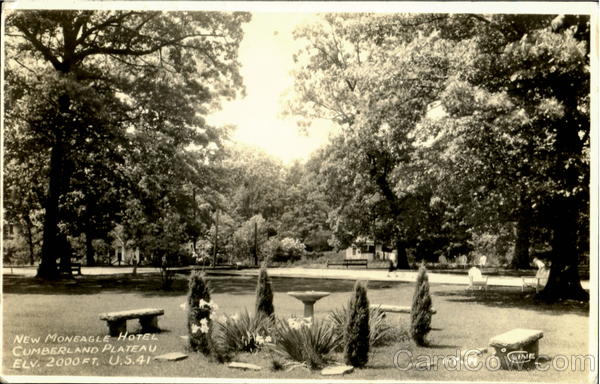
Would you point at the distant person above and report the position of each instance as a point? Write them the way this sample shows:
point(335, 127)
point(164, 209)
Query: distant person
point(392, 268)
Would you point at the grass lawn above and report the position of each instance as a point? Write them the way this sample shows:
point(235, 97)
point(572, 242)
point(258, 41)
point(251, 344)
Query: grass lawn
point(464, 320)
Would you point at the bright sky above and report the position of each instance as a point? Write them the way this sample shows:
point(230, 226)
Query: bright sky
point(266, 58)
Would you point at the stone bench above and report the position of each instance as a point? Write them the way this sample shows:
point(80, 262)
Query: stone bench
point(395, 308)
point(517, 348)
point(117, 321)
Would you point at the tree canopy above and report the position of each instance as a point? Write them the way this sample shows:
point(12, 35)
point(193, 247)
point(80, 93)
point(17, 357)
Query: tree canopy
point(118, 82)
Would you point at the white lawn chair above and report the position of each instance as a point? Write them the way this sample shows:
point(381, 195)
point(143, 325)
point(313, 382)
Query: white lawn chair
point(538, 282)
point(476, 280)
point(482, 261)
point(461, 261)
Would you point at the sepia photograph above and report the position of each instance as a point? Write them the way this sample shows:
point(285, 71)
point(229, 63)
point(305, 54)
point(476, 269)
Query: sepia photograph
point(299, 191)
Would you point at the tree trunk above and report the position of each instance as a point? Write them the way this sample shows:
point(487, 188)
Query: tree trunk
point(564, 282)
point(47, 268)
point(57, 183)
point(521, 258)
point(402, 258)
point(28, 226)
point(89, 249)
point(65, 254)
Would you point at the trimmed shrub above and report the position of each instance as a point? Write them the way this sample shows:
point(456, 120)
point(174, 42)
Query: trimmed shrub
point(200, 310)
point(304, 341)
point(380, 331)
point(264, 293)
point(420, 314)
point(357, 333)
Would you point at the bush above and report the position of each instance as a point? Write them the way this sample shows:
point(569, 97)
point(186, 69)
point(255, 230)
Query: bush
point(357, 334)
point(200, 310)
point(380, 331)
point(286, 250)
point(264, 293)
point(243, 333)
point(305, 342)
point(420, 314)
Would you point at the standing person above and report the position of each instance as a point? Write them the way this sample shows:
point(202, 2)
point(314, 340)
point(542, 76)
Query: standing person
point(392, 268)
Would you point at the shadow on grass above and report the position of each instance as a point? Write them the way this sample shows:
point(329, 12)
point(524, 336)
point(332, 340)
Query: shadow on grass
point(440, 346)
point(508, 297)
point(150, 285)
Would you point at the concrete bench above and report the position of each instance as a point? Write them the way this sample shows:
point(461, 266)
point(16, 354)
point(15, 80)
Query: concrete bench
point(76, 267)
point(117, 321)
point(73, 267)
point(517, 348)
point(349, 262)
point(395, 308)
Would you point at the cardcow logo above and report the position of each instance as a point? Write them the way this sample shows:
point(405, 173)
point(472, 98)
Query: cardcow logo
point(520, 357)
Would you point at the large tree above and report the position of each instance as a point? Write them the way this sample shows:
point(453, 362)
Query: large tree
point(375, 76)
point(104, 72)
point(518, 120)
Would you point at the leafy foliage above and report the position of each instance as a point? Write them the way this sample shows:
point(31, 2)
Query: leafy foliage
point(285, 250)
point(95, 88)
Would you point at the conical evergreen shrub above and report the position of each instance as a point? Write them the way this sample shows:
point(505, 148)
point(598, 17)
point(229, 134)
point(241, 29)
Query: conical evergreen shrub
point(356, 336)
point(199, 323)
point(420, 314)
point(264, 293)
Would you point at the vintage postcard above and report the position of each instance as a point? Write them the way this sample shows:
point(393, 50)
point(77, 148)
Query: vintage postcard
point(299, 191)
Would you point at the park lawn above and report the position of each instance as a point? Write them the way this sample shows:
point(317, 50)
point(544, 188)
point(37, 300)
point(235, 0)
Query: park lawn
point(464, 320)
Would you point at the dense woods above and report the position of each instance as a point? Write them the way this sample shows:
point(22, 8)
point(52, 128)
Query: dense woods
point(456, 135)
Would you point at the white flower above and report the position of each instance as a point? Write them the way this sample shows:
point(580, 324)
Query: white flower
point(222, 318)
point(260, 339)
point(195, 328)
point(183, 306)
point(203, 303)
point(235, 317)
point(268, 339)
point(294, 324)
point(204, 326)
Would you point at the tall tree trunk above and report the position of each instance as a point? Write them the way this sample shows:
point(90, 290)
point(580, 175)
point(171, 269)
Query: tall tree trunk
point(402, 258)
point(58, 183)
point(521, 258)
point(48, 268)
point(564, 282)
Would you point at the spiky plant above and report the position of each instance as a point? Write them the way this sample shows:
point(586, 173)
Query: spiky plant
point(306, 342)
point(420, 314)
point(264, 293)
point(357, 332)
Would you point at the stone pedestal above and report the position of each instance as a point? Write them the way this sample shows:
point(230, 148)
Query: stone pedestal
point(308, 298)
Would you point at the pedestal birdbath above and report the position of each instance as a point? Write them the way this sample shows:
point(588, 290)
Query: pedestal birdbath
point(309, 298)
